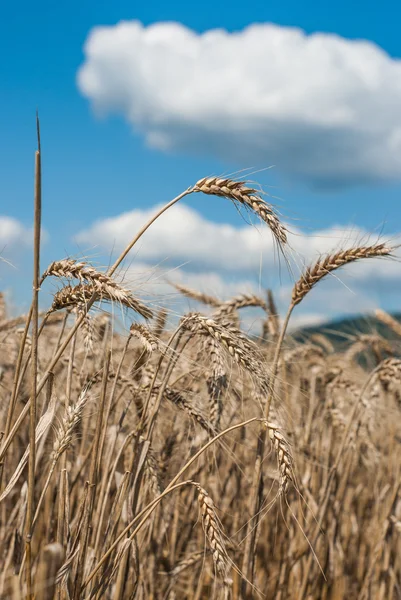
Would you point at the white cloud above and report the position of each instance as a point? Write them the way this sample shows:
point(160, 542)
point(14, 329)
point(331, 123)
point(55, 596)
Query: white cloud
point(15, 239)
point(225, 260)
point(182, 235)
point(299, 321)
point(324, 109)
point(13, 233)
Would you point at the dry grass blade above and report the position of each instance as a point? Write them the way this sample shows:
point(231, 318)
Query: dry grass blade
point(43, 425)
point(273, 319)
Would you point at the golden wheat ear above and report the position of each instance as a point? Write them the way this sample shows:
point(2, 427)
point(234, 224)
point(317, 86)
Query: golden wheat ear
point(80, 294)
point(332, 262)
point(198, 296)
point(238, 191)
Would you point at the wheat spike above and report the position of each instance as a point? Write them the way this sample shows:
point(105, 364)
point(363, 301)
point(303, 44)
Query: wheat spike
point(238, 191)
point(388, 320)
point(212, 529)
point(198, 296)
point(80, 294)
point(332, 262)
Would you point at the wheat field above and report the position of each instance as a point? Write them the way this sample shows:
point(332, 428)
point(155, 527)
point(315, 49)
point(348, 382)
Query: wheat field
point(186, 458)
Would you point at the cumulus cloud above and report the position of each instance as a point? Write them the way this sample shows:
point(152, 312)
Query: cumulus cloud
point(15, 239)
point(299, 321)
point(15, 245)
point(182, 235)
point(13, 232)
point(225, 260)
point(323, 109)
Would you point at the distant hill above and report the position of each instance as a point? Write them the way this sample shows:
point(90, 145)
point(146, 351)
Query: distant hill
point(342, 332)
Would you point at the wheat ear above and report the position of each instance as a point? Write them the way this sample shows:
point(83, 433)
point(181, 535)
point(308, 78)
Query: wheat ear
point(249, 197)
point(145, 337)
point(71, 296)
point(160, 322)
point(332, 262)
point(212, 529)
point(198, 296)
point(238, 302)
point(388, 320)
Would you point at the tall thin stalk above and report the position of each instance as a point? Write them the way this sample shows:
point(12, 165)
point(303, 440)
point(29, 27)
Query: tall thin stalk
point(34, 365)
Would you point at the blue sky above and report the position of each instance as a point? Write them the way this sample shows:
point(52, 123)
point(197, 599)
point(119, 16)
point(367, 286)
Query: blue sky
point(96, 167)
